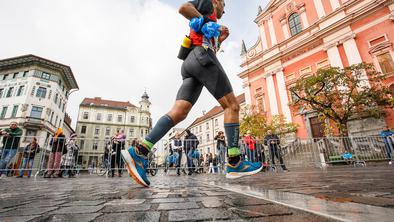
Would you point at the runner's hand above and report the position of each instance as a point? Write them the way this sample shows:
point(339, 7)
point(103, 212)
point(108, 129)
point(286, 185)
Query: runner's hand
point(224, 33)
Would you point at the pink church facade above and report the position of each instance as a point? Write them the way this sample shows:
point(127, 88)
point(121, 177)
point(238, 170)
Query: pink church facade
point(297, 37)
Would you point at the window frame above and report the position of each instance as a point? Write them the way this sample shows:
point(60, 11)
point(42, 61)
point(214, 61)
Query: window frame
point(294, 22)
point(41, 92)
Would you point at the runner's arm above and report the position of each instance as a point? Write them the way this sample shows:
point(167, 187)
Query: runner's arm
point(189, 11)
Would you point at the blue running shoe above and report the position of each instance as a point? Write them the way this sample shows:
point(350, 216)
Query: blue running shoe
point(243, 168)
point(136, 165)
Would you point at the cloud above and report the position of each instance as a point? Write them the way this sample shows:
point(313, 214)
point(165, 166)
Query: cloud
point(116, 49)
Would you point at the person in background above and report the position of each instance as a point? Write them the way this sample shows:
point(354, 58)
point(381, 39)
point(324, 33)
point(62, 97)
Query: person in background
point(177, 147)
point(29, 154)
point(388, 138)
point(57, 149)
point(106, 155)
point(11, 139)
point(272, 141)
point(190, 145)
point(117, 143)
point(221, 147)
point(215, 161)
point(69, 162)
point(210, 163)
point(250, 146)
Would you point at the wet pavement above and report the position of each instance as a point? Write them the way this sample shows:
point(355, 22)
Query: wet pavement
point(264, 197)
point(371, 185)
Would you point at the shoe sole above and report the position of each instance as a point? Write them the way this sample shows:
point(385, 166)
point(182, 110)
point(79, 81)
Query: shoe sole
point(130, 164)
point(235, 175)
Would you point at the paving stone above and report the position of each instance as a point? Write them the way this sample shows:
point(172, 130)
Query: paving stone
point(27, 211)
point(261, 211)
point(159, 195)
point(245, 201)
point(84, 203)
point(216, 198)
point(18, 218)
point(178, 206)
point(125, 202)
point(44, 203)
point(125, 208)
point(69, 217)
point(78, 210)
point(168, 200)
point(214, 193)
point(130, 217)
point(292, 218)
point(198, 215)
point(212, 203)
point(8, 203)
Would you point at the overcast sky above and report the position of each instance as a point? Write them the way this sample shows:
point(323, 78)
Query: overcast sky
point(117, 48)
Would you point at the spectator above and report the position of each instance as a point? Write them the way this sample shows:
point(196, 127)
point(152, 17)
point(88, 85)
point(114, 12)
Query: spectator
point(29, 153)
point(118, 141)
point(250, 147)
point(221, 147)
point(272, 141)
point(190, 144)
point(210, 163)
point(261, 153)
point(177, 147)
point(11, 138)
point(69, 162)
point(57, 149)
point(388, 139)
point(106, 155)
point(215, 164)
point(201, 163)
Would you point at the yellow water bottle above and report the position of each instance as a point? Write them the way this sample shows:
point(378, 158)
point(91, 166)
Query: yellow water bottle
point(185, 48)
point(187, 42)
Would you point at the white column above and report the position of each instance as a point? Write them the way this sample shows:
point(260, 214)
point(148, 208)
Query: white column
point(304, 18)
point(272, 96)
point(285, 29)
point(319, 8)
point(263, 37)
point(334, 57)
point(284, 100)
point(351, 51)
point(335, 4)
point(353, 56)
point(248, 98)
point(272, 32)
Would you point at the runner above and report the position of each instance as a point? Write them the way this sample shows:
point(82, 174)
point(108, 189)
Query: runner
point(200, 68)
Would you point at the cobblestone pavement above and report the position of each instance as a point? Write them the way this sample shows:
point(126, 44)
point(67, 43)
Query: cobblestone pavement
point(170, 198)
point(371, 185)
point(194, 198)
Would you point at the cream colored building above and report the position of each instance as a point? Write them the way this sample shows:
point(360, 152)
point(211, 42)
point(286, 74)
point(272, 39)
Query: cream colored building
point(207, 127)
point(99, 119)
point(34, 92)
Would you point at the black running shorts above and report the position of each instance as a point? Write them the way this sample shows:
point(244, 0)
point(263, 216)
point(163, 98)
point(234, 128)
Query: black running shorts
point(202, 68)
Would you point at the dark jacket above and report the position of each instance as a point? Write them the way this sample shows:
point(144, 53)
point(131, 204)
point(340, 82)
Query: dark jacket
point(191, 142)
point(271, 141)
point(31, 151)
point(220, 141)
point(57, 144)
point(12, 141)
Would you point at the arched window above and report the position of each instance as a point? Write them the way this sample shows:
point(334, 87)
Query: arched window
point(295, 24)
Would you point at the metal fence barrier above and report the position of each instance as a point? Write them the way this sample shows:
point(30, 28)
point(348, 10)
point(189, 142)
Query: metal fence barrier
point(68, 158)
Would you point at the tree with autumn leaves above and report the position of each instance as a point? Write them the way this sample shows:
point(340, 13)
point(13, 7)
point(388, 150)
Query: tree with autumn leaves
point(258, 125)
point(343, 94)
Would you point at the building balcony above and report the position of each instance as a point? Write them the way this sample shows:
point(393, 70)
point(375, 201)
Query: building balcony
point(35, 123)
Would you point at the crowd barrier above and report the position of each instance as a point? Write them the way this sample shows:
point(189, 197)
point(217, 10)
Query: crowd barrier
point(102, 156)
